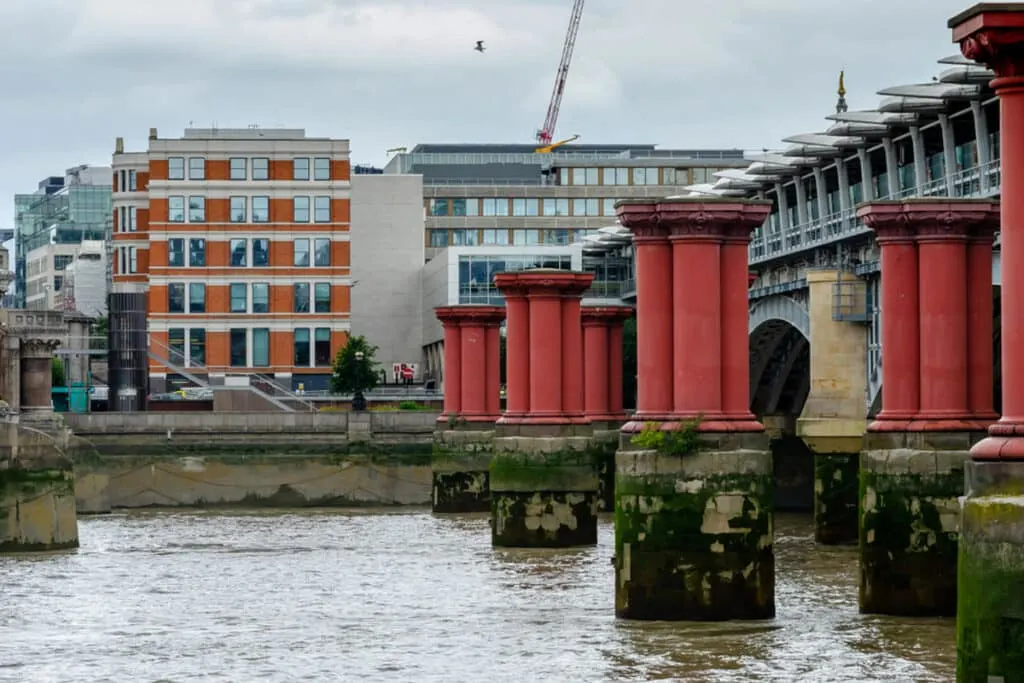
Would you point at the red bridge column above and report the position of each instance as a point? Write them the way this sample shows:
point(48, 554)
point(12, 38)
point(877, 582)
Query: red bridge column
point(659, 469)
point(471, 352)
point(991, 560)
point(602, 357)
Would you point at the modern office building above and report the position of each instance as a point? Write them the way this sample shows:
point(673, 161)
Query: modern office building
point(232, 251)
point(493, 208)
point(50, 224)
point(85, 281)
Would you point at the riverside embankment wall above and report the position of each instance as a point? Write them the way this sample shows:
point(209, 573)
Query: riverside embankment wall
point(135, 460)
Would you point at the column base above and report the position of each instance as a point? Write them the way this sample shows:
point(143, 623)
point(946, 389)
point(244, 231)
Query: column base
point(1005, 441)
point(910, 484)
point(693, 532)
point(711, 423)
point(461, 478)
point(930, 423)
point(836, 444)
point(544, 492)
point(988, 621)
point(37, 509)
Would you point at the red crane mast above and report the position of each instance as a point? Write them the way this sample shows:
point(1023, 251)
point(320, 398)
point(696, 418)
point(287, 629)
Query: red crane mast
point(544, 135)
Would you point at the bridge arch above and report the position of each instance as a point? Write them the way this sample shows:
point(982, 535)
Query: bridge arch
point(779, 331)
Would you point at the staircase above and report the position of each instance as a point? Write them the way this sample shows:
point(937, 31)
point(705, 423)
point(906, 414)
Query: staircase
point(263, 386)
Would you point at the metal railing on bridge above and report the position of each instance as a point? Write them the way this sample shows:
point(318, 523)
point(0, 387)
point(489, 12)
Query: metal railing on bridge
point(769, 243)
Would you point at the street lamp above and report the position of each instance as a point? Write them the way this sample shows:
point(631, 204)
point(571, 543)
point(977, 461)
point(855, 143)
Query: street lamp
point(358, 400)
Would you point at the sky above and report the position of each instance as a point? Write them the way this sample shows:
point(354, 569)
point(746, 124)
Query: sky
point(76, 74)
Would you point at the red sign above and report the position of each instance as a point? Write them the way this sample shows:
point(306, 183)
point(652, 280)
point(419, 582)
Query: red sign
point(406, 373)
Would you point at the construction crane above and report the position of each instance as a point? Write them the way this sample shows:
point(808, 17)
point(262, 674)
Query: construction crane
point(546, 133)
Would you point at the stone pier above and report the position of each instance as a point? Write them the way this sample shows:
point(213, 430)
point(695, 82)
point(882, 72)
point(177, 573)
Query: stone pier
point(543, 473)
point(936, 398)
point(472, 378)
point(602, 389)
point(990, 580)
point(693, 487)
point(833, 420)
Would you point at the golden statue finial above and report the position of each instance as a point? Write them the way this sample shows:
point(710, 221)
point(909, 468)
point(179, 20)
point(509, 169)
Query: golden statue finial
point(842, 83)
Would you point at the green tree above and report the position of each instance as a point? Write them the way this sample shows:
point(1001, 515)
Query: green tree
point(352, 375)
point(629, 363)
point(56, 372)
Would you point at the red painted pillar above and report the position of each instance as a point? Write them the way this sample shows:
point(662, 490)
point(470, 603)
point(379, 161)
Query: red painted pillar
point(900, 319)
point(542, 336)
point(602, 353)
point(942, 292)
point(980, 320)
point(995, 39)
point(517, 353)
point(709, 281)
point(471, 360)
point(930, 293)
point(654, 289)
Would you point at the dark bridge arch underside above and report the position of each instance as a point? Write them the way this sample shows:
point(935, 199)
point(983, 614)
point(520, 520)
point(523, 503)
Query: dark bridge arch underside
point(780, 364)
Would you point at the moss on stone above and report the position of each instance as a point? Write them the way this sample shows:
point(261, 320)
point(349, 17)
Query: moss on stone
point(563, 470)
point(836, 491)
point(694, 548)
point(543, 519)
point(461, 492)
point(990, 594)
point(908, 556)
point(22, 483)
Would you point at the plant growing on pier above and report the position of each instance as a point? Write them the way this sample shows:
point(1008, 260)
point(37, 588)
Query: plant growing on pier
point(683, 440)
point(355, 370)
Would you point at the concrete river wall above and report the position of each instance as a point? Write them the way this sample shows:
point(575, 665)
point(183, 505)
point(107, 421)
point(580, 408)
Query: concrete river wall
point(136, 460)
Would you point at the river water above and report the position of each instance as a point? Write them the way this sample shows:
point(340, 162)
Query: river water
point(176, 597)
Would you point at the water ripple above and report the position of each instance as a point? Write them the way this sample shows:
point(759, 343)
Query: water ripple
point(182, 597)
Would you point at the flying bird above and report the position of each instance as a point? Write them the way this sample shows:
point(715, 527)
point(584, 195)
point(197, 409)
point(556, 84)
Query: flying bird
point(480, 46)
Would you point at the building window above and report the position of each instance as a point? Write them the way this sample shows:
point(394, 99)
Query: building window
point(608, 206)
point(61, 261)
point(176, 209)
point(321, 168)
point(465, 237)
point(197, 209)
point(261, 347)
point(584, 176)
point(197, 252)
point(132, 181)
point(322, 209)
point(261, 252)
point(300, 297)
point(238, 347)
point(300, 209)
point(260, 297)
point(525, 237)
point(496, 236)
point(439, 207)
point(176, 297)
point(322, 347)
point(239, 297)
point(668, 176)
point(645, 176)
point(239, 214)
point(322, 297)
point(239, 247)
point(301, 352)
point(261, 209)
point(525, 207)
point(472, 206)
point(616, 176)
point(176, 252)
point(196, 347)
point(321, 252)
point(196, 168)
point(439, 238)
point(238, 168)
point(261, 168)
point(585, 207)
point(556, 207)
point(175, 168)
point(563, 176)
point(176, 345)
point(495, 207)
point(300, 168)
point(133, 261)
point(300, 252)
point(133, 214)
point(196, 297)
point(459, 206)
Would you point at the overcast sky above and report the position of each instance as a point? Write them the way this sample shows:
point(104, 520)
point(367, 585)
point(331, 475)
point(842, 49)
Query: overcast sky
point(388, 73)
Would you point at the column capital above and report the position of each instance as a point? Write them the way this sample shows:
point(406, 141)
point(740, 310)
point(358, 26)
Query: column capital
point(701, 218)
point(541, 282)
point(38, 348)
point(930, 219)
point(605, 316)
point(471, 314)
point(641, 217)
point(993, 34)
